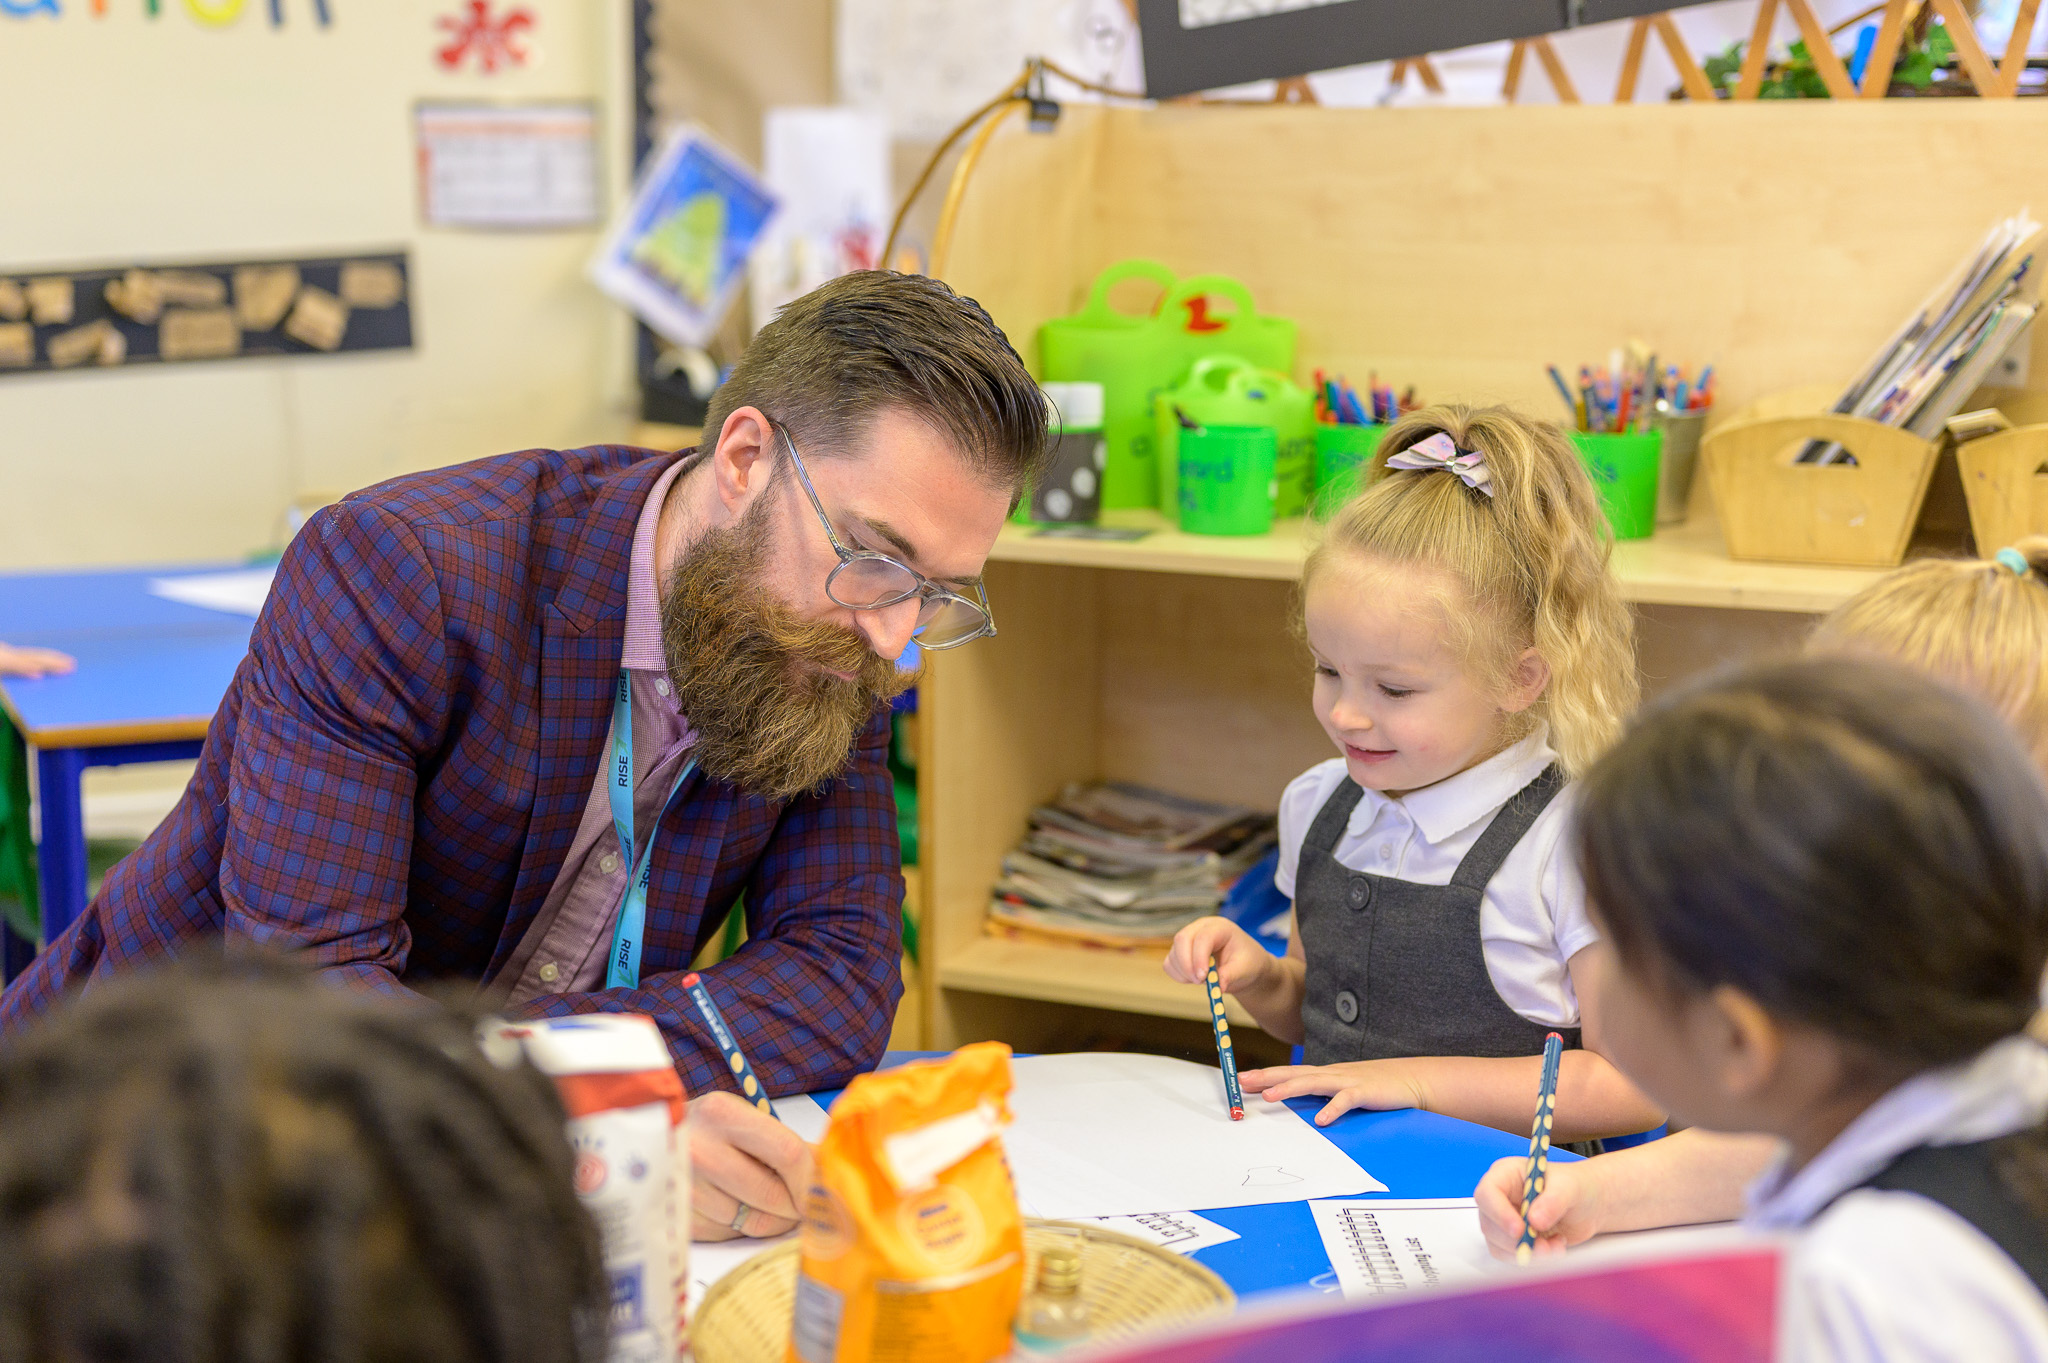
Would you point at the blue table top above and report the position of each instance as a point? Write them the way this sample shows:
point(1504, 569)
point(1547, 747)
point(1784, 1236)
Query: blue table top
point(1416, 1154)
point(147, 666)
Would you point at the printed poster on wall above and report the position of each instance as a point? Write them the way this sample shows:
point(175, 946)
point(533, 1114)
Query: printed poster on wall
point(829, 169)
point(678, 254)
point(507, 165)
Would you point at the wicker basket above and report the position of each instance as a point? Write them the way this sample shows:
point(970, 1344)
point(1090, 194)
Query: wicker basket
point(1130, 1287)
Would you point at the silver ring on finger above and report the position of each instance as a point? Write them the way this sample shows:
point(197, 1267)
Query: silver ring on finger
point(736, 1225)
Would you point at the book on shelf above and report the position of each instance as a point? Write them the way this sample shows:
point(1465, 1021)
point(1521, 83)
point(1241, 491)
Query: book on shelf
point(1123, 866)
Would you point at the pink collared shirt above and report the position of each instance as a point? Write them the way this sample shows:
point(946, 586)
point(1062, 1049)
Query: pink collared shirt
point(565, 948)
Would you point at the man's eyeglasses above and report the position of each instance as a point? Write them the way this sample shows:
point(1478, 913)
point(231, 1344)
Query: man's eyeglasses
point(866, 581)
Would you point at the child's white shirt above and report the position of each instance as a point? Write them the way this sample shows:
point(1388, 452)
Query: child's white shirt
point(1532, 917)
point(1893, 1277)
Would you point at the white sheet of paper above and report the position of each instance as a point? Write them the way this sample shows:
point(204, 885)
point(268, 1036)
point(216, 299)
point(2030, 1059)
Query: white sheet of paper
point(802, 1114)
point(1122, 1135)
point(1388, 1245)
point(240, 592)
point(1181, 1232)
point(711, 1260)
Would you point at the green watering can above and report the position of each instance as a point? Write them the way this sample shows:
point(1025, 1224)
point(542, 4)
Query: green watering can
point(1136, 356)
point(1224, 390)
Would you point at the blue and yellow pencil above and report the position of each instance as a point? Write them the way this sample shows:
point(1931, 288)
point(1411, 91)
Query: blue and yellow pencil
point(1539, 1143)
point(735, 1060)
point(1224, 1053)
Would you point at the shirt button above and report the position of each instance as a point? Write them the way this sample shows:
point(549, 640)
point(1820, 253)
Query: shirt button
point(1386, 851)
point(608, 863)
point(550, 972)
point(661, 685)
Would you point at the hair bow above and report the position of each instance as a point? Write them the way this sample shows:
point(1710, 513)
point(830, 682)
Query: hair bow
point(1439, 451)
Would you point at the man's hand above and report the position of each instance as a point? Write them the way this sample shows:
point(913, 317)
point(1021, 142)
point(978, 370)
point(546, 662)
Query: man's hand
point(1565, 1213)
point(1377, 1085)
point(741, 1155)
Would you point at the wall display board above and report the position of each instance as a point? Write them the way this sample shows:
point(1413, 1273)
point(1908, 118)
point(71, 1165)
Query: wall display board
point(105, 317)
point(1193, 45)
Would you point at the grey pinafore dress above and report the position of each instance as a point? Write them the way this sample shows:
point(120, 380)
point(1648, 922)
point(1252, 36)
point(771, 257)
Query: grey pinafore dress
point(1397, 969)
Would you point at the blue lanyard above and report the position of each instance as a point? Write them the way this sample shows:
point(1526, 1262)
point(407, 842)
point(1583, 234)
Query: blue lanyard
point(622, 967)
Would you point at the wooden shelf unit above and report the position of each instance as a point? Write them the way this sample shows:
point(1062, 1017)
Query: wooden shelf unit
point(1170, 660)
point(1754, 237)
point(1683, 566)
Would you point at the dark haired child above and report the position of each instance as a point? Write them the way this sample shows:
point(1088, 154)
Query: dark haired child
point(222, 1163)
point(1823, 889)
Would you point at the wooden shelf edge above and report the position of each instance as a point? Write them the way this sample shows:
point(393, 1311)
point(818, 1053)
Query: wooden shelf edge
point(1091, 979)
point(1684, 565)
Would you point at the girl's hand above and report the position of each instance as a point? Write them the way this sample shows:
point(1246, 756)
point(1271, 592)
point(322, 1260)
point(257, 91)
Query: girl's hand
point(1567, 1211)
point(1376, 1085)
point(1241, 963)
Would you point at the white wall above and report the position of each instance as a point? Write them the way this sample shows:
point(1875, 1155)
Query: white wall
point(130, 139)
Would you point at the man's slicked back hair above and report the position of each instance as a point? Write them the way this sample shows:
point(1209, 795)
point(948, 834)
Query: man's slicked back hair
point(876, 340)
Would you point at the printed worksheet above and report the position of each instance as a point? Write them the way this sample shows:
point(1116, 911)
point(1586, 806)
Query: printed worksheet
point(1380, 1246)
point(1105, 1134)
point(1181, 1232)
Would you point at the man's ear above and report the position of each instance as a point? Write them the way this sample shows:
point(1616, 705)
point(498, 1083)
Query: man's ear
point(1747, 1044)
point(1526, 682)
point(742, 459)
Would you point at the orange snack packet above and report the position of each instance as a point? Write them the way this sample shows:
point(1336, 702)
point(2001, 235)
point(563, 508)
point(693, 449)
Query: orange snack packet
point(913, 1247)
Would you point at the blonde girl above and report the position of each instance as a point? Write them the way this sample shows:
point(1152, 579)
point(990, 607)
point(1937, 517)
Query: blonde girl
point(1979, 624)
point(1470, 655)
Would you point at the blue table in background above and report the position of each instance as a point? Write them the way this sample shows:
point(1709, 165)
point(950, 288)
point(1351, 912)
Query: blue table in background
point(151, 672)
point(1416, 1154)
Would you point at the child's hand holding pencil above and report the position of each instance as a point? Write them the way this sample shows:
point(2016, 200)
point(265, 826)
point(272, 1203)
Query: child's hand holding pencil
point(1567, 1211)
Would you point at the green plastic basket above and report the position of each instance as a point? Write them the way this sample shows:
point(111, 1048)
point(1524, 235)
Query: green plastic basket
point(1341, 451)
point(1224, 390)
point(1135, 357)
point(1624, 472)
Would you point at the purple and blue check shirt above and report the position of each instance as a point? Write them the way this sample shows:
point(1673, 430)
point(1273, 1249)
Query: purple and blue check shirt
point(394, 782)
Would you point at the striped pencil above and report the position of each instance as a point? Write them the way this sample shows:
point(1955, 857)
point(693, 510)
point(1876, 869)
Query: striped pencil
point(1228, 1058)
point(750, 1087)
point(1539, 1143)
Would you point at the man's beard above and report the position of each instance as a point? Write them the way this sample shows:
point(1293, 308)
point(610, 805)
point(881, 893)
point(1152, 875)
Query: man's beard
point(746, 670)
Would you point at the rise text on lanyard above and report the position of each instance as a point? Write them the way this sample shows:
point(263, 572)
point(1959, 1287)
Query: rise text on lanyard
point(622, 966)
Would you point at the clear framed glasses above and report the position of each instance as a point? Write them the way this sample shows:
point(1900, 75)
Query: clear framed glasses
point(866, 580)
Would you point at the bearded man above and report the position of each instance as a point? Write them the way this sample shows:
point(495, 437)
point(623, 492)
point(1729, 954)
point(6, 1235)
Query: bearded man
point(540, 721)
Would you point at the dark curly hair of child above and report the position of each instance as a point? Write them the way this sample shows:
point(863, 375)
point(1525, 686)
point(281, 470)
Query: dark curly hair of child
point(232, 1162)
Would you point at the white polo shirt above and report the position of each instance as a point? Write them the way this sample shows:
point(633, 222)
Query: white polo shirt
point(1532, 917)
point(1893, 1277)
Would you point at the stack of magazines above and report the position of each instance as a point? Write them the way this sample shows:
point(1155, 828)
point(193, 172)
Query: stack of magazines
point(1946, 349)
point(1123, 867)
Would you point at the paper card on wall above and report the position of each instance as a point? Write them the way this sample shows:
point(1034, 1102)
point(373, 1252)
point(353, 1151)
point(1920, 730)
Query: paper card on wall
point(829, 168)
point(50, 300)
point(17, 344)
point(1122, 1135)
point(507, 165)
point(136, 295)
point(97, 341)
point(263, 293)
point(371, 284)
point(318, 318)
point(198, 334)
point(13, 301)
point(678, 253)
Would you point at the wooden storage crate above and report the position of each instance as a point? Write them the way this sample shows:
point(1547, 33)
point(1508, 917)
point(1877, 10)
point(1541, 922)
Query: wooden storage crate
point(1774, 508)
point(2005, 478)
